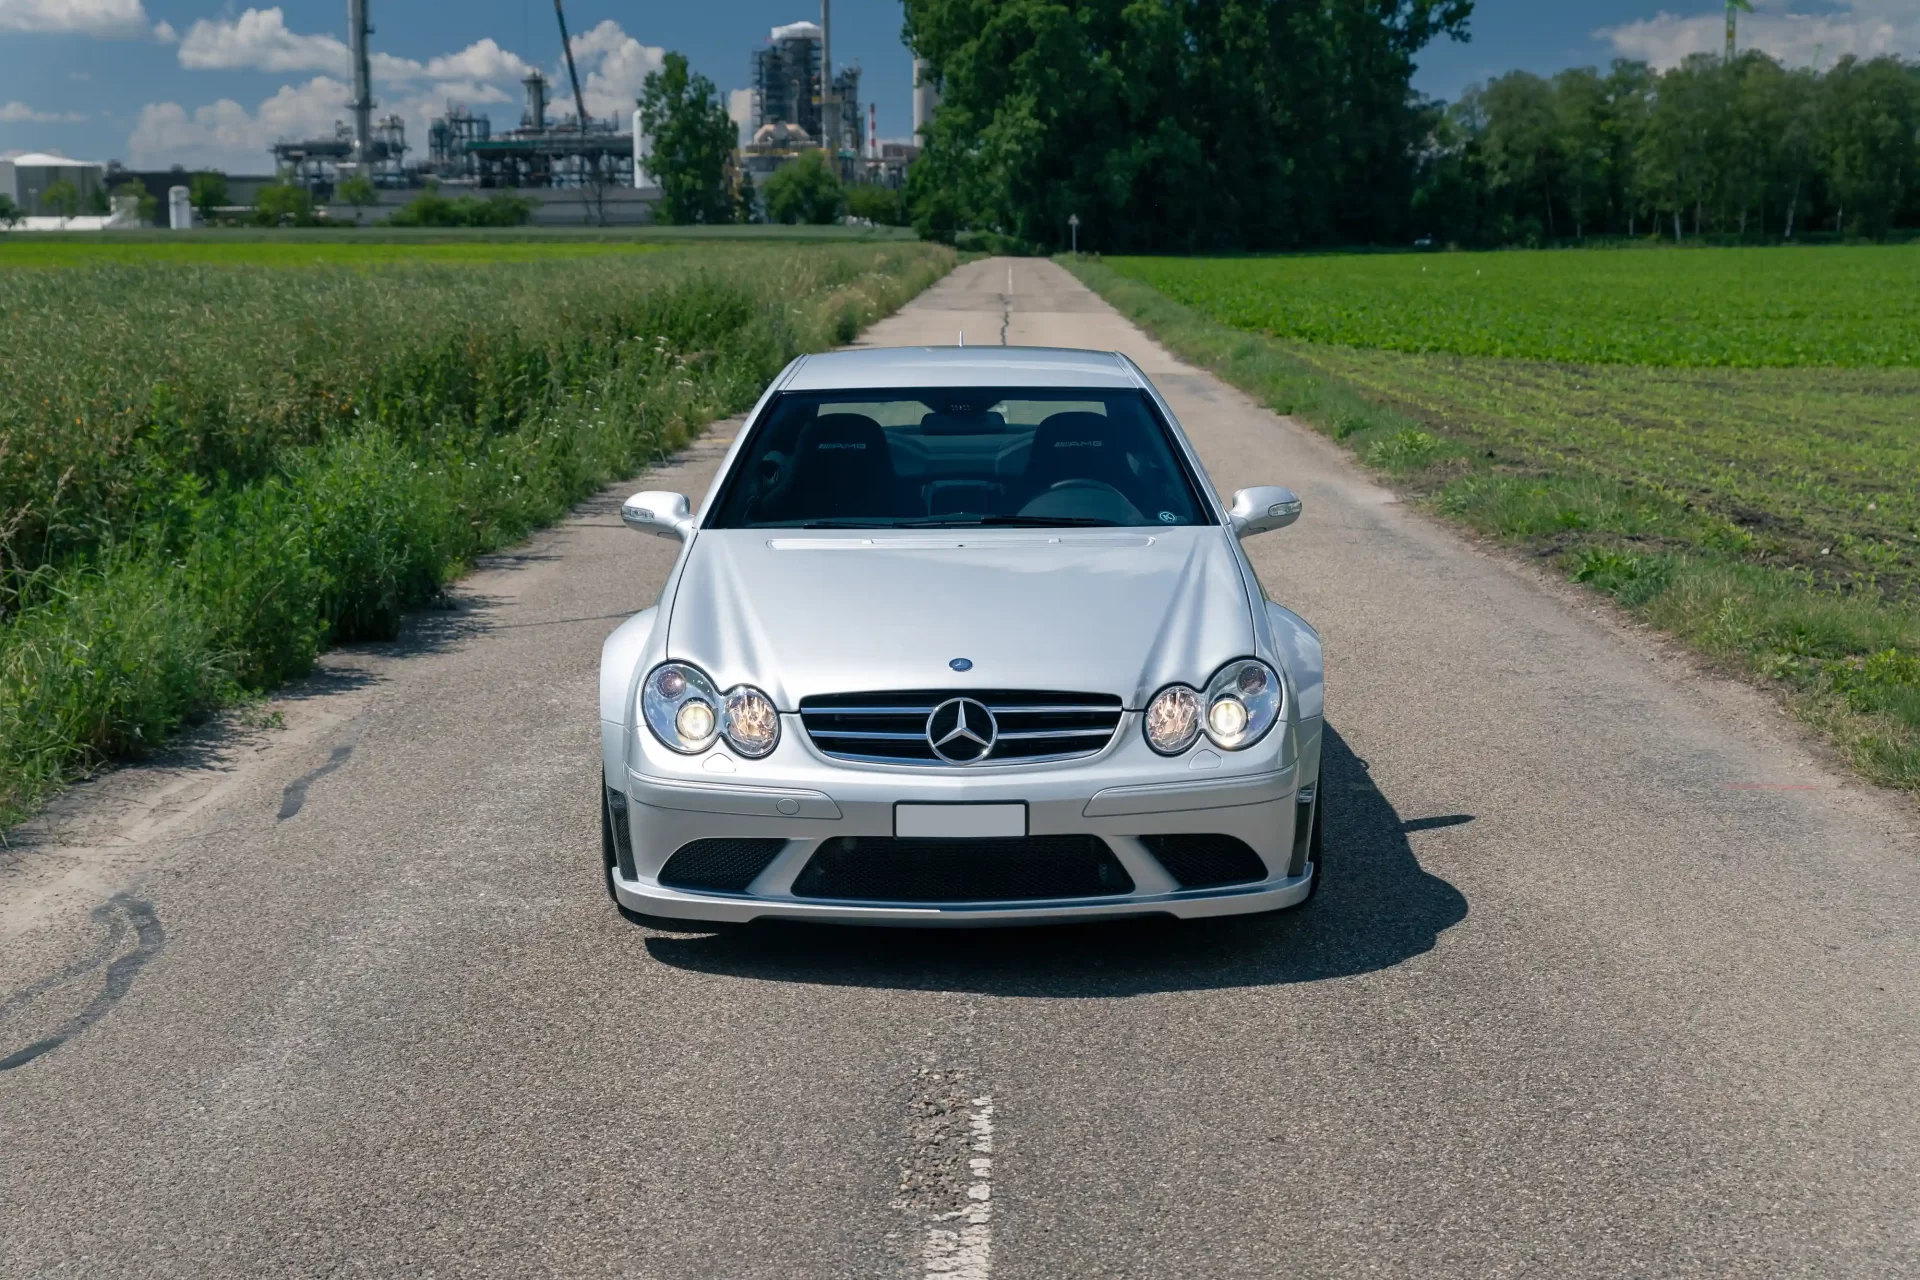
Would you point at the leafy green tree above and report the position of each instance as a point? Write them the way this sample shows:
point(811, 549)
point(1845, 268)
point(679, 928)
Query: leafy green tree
point(693, 140)
point(283, 203)
point(207, 193)
point(144, 202)
point(99, 204)
point(804, 189)
point(746, 200)
point(1229, 123)
point(10, 213)
point(877, 204)
point(1872, 121)
point(358, 191)
point(61, 199)
point(431, 209)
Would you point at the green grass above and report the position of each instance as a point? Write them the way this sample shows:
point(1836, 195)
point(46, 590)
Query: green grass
point(378, 245)
point(334, 251)
point(209, 474)
point(1768, 516)
point(1850, 307)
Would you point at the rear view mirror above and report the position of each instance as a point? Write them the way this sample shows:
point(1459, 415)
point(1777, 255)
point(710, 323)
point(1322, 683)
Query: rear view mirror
point(664, 515)
point(1262, 508)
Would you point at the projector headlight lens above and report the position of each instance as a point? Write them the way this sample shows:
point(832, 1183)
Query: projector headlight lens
point(1173, 719)
point(1243, 702)
point(681, 706)
point(753, 725)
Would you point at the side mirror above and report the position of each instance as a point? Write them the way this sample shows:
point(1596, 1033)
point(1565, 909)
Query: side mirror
point(664, 515)
point(1266, 507)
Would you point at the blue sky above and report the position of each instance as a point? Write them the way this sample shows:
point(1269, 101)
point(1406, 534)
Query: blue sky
point(156, 82)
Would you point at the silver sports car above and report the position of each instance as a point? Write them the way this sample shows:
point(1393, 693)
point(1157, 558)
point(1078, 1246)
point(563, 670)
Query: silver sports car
point(961, 636)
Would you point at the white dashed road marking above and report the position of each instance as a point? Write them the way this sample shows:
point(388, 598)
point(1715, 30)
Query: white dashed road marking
point(960, 1243)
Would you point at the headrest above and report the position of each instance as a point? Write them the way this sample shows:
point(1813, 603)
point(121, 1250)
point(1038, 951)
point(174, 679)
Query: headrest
point(1073, 430)
point(852, 436)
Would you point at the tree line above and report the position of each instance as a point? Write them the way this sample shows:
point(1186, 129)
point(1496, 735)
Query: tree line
point(1744, 148)
point(1278, 124)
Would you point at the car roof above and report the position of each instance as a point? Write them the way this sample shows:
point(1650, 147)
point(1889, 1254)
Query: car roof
point(881, 367)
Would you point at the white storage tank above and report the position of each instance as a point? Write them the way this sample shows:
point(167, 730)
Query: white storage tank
point(179, 209)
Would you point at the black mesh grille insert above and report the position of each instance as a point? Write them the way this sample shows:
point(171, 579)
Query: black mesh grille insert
point(1206, 862)
point(719, 866)
point(1022, 869)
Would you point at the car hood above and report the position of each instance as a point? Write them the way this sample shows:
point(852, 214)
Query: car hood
point(804, 613)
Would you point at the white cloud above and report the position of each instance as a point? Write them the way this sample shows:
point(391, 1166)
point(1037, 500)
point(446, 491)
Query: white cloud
point(107, 19)
point(1866, 28)
point(21, 113)
point(481, 60)
point(225, 135)
point(614, 66)
point(259, 40)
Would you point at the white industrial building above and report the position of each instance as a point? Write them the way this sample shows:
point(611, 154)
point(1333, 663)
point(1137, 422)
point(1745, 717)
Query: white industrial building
point(26, 180)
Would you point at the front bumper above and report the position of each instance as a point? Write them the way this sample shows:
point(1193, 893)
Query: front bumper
point(803, 799)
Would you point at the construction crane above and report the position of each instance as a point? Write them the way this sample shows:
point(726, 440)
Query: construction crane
point(1734, 9)
point(579, 102)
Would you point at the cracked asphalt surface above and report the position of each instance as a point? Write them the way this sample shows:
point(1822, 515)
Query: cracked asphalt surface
point(1614, 974)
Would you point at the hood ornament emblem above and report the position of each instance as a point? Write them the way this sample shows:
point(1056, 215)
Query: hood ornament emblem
point(961, 731)
point(961, 664)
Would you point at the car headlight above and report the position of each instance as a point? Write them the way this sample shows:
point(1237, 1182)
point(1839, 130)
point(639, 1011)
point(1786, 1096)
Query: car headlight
point(752, 725)
point(1173, 720)
point(681, 707)
point(1243, 701)
point(688, 714)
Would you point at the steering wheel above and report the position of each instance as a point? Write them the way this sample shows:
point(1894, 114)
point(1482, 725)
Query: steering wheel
point(1087, 482)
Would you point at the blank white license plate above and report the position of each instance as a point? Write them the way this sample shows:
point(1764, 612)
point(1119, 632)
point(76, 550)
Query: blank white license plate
point(959, 821)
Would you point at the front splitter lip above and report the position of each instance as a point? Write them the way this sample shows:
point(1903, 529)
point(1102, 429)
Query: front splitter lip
point(1195, 904)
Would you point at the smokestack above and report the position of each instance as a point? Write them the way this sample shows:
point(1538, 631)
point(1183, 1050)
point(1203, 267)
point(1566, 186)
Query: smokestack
point(829, 120)
point(873, 132)
point(358, 29)
point(925, 98)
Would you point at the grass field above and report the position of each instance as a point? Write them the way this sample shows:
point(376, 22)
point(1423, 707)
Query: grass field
point(377, 245)
point(210, 473)
point(338, 250)
point(1750, 482)
point(1841, 307)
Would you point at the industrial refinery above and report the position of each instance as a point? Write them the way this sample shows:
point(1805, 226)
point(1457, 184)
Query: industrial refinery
point(568, 159)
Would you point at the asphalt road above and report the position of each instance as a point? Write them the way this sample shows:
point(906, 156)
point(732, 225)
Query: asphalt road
point(1613, 976)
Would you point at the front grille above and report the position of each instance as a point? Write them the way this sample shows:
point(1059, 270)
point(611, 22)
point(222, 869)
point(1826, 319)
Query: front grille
point(719, 866)
point(1206, 861)
point(1021, 869)
point(891, 728)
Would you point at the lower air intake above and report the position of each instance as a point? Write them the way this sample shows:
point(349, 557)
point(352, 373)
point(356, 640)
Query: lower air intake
point(1206, 861)
point(1026, 869)
point(719, 866)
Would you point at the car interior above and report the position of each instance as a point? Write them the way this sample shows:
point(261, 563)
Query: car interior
point(958, 457)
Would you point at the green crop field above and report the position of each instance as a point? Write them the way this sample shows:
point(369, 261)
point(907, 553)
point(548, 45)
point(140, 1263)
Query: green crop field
point(340, 250)
point(1726, 441)
point(1742, 308)
point(379, 246)
point(208, 473)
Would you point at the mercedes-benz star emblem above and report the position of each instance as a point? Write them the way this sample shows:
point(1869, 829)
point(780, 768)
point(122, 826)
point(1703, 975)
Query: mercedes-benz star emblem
point(961, 731)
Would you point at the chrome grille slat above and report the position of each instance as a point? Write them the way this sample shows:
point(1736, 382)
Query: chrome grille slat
point(1037, 727)
point(1058, 733)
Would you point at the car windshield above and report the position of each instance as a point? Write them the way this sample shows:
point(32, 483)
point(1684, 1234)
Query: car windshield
point(942, 458)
